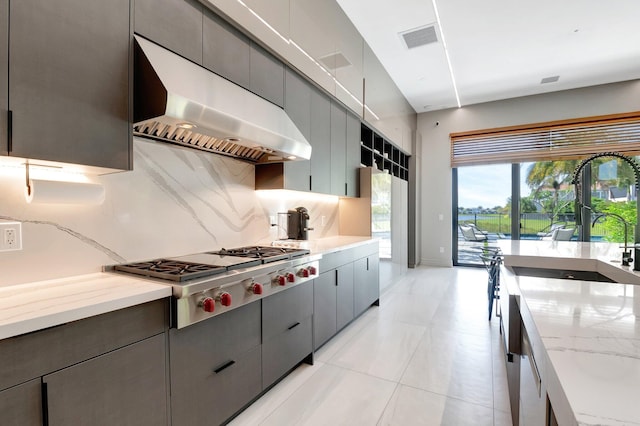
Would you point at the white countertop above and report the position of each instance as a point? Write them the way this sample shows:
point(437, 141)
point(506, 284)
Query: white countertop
point(590, 332)
point(325, 245)
point(29, 307)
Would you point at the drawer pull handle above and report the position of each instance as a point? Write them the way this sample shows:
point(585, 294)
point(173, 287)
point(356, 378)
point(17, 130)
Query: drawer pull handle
point(224, 366)
point(293, 326)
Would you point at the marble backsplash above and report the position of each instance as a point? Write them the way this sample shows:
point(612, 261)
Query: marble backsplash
point(176, 201)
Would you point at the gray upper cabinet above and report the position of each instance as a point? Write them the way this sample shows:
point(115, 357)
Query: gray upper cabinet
point(297, 104)
point(353, 155)
point(267, 75)
point(338, 147)
point(69, 74)
point(174, 24)
point(320, 142)
point(226, 51)
point(4, 75)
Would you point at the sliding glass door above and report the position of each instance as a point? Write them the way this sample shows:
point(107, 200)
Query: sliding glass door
point(483, 210)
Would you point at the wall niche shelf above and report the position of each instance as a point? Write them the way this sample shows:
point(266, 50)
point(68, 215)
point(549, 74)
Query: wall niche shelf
point(378, 152)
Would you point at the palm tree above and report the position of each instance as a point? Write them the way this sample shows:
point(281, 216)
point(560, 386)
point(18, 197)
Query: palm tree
point(544, 175)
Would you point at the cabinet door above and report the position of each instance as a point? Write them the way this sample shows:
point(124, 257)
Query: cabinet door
point(69, 81)
point(338, 149)
point(353, 155)
point(174, 24)
point(320, 142)
point(365, 283)
point(324, 308)
point(123, 387)
point(344, 295)
point(267, 75)
point(297, 104)
point(373, 278)
point(286, 331)
point(4, 75)
point(215, 366)
point(226, 50)
point(22, 405)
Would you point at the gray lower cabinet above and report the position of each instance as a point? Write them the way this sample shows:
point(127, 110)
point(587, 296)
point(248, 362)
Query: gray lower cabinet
point(366, 283)
point(4, 75)
point(286, 331)
point(344, 295)
point(226, 51)
point(324, 308)
point(123, 387)
point(267, 75)
point(215, 366)
point(69, 74)
point(103, 370)
point(22, 405)
point(174, 24)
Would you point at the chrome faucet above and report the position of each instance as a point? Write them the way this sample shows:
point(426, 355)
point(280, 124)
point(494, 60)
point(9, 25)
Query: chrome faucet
point(626, 254)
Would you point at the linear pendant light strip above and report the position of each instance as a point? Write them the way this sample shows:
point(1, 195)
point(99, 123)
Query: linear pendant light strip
point(547, 142)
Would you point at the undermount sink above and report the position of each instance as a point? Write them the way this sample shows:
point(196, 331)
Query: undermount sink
point(564, 274)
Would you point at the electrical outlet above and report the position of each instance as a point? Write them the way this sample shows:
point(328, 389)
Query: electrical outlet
point(10, 236)
point(441, 249)
point(323, 220)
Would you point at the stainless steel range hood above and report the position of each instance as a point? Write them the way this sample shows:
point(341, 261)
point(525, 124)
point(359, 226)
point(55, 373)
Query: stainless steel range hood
point(180, 102)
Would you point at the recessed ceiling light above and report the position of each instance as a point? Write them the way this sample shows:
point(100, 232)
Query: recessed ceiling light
point(551, 79)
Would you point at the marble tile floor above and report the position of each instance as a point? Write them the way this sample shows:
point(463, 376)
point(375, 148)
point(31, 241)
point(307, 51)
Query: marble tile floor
point(426, 356)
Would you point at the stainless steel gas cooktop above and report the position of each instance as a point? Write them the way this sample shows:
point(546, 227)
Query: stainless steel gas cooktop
point(211, 283)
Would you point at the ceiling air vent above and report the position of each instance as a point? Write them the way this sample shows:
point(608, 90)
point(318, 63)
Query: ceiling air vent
point(420, 36)
point(551, 79)
point(334, 61)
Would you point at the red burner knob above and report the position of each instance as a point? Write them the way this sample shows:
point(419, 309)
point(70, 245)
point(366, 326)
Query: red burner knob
point(208, 304)
point(312, 270)
point(281, 280)
point(256, 288)
point(304, 273)
point(224, 298)
point(291, 278)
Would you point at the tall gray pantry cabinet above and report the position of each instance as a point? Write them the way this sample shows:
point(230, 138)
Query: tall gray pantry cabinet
point(68, 81)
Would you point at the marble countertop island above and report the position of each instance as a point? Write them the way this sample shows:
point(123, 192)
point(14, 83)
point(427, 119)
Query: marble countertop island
point(585, 335)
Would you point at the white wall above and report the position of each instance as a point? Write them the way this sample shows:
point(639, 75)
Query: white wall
point(435, 177)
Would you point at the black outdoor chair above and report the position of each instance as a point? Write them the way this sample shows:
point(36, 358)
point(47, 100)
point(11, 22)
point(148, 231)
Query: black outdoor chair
point(492, 259)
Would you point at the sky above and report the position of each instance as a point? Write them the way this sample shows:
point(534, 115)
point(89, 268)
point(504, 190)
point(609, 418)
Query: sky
point(488, 186)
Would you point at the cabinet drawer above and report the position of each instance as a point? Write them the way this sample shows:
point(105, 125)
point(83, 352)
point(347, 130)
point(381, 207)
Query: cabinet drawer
point(283, 310)
point(283, 352)
point(58, 347)
point(335, 259)
point(213, 342)
point(365, 250)
point(202, 396)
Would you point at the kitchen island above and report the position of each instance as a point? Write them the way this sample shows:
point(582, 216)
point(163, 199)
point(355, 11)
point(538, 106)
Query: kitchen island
point(584, 336)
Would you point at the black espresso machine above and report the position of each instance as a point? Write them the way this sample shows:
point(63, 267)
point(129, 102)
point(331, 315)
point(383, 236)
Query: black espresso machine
point(298, 224)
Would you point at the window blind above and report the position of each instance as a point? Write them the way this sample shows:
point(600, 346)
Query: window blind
point(548, 141)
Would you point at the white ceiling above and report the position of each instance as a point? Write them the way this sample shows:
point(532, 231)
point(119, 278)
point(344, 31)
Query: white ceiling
point(501, 49)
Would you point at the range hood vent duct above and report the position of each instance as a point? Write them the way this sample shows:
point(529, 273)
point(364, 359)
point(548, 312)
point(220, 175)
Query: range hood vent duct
point(182, 103)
